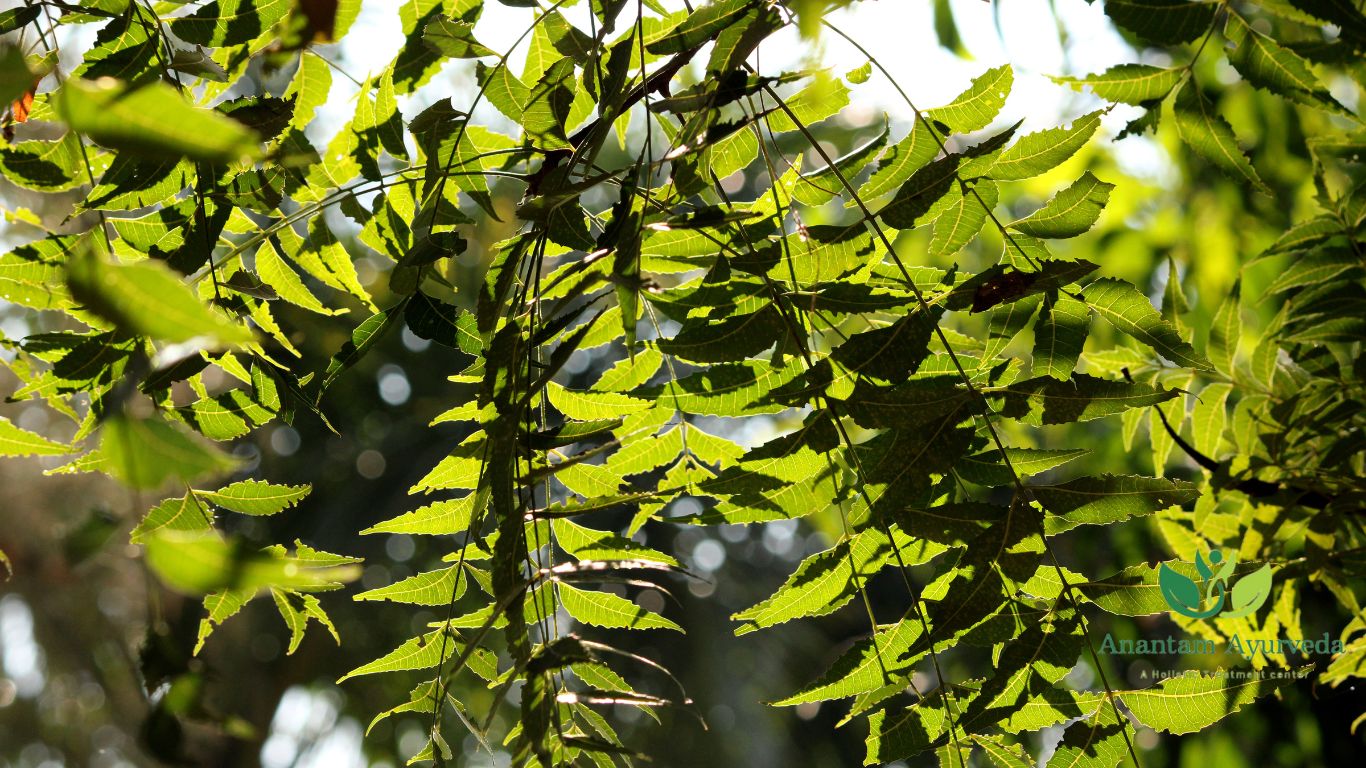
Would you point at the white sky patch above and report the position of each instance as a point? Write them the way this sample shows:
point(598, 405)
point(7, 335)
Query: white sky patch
point(306, 732)
point(21, 658)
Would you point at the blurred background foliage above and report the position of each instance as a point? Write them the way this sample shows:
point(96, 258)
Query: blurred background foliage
point(82, 622)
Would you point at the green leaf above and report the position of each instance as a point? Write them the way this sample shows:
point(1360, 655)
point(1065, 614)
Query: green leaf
point(454, 39)
point(1130, 311)
point(1096, 741)
point(1207, 133)
point(901, 161)
point(1000, 754)
point(146, 453)
point(601, 609)
point(434, 320)
point(1129, 83)
point(589, 544)
point(200, 562)
point(45, 166)
point(975, 108)
point(1265, 63)
point(274, 272)
point(1071, 212)
point(256, 497)
point(363, 339)
point(898, 734)
point(735, 337)
point(1107, 499)
point(229, 22)
point(460, 470)
point(1037, 153)
point(325, 258)
point(421, 652)
point(958, 225)
point(1059, 335)
point(297, 616)
point(818, 187)
point(1226, 331)
point(442, 518)
point(1081, 398)
point(860, 669)
point(588, 405)
point(1191, 703)
point(988, 468)
point(439, 587)
point(14, 18)
point(700, 26)
point(546, 109)
point(310, 87)
point(727, 389)
point(148, 299)
point(1167, 22)
point(827, 580)
point(505, 91)
point(20, 442)
point(890, 353)
point(1208, 418)
point(179, 514)
point(824, 97)
point(153, 120)
point(227, 416)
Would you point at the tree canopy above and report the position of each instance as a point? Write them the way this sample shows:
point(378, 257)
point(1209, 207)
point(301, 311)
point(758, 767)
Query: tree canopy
point(647, 281)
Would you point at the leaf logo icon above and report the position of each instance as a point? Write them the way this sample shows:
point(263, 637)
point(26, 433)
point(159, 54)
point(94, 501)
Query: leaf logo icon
point(1185, 596)
point(1249, 593)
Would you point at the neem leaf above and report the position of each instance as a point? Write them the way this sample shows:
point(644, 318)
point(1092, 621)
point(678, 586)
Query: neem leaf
point(1036, 153)
point(437, 587)
point(20, 442)
point(148, 299)
point(700, 26)
point(256, 497)
point(601, 609)
point(1059, 335)
point(1081, 398)
point(454, 38)
point(200, 562)
point(153, 120)
point(434, 320)
point(1130, 311)
point(179, 514)
point(1190, 703)
point(1128, 83)
point(1207, 133)
point(901, 161)
point(1168, 22)
point(1071, 212)
point(988, 468)
point(1267, 64)
point(145, 453)
point(1108, 499)
point(976, 107)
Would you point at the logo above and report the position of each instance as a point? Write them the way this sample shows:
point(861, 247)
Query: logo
point(1206, 598)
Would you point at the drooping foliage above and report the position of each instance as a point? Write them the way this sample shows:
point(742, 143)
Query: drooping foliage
point(926, 387)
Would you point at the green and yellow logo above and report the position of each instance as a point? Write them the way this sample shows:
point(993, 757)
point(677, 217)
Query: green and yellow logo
point(1206, 598)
